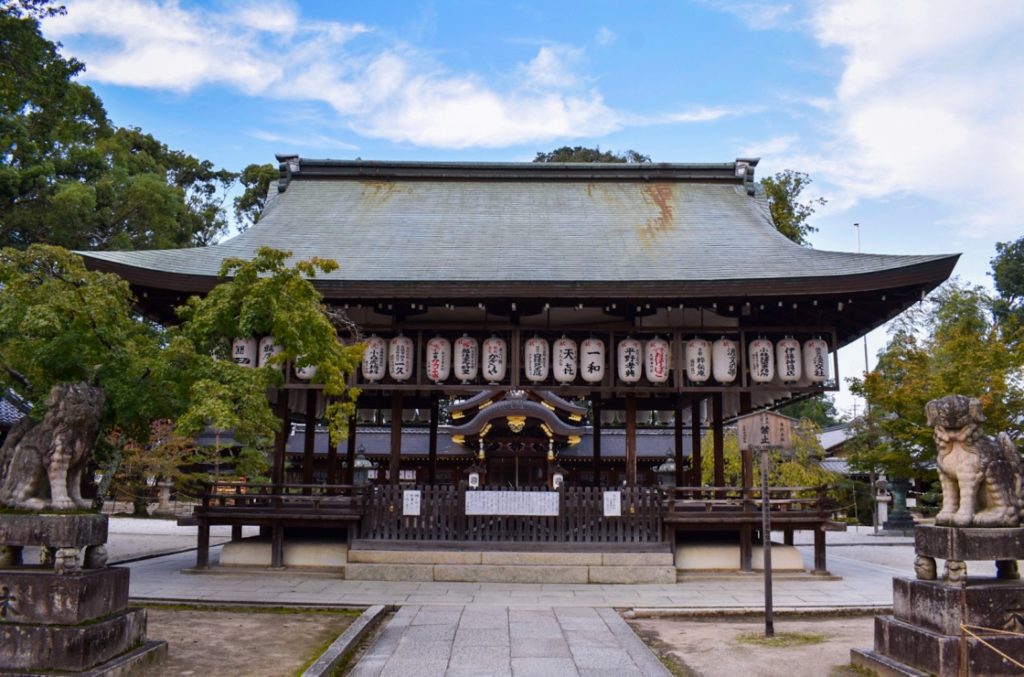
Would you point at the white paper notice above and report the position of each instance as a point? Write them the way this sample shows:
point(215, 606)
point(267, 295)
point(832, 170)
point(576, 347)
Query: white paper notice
point(613, 504)
point(529, 503)
point(410, 502)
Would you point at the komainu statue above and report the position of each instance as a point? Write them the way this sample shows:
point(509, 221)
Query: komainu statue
point(982, 477)
point(41, 464)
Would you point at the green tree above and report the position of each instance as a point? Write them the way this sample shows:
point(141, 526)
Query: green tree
point(950, 345)
point(61, 323)
point(1008, 277)
point(581, 154)
point(788, 213)
point(819, 409)
point(256, 180)
point(797, 467)
point(70, 178)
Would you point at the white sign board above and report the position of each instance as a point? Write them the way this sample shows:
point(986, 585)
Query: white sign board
point(528, 503)
point(765, 429)
point(613, 504)
point(411, 503)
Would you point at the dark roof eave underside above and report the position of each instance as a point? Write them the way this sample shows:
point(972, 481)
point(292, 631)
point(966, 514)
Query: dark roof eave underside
point(929, 274)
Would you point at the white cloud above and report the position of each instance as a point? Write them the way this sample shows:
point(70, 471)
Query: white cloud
point(758, 15)
point(376, 85)
point(605, 36)
point(930, 104)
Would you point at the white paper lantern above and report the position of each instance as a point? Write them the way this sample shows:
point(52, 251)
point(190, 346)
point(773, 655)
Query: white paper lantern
point(657, 360)
point(375, 359)
point(698, 360)
point(762, 361)
point(816, 363)
point(787, 360)
point(243, 352)
point(267, 349)
point(401, 358)
point(592, 360)
point(304, 373)
point(495, 359)
point(631, 360)
point(537, 358)
point(725, 360)
point(439, 359)
point(466, 358)
point(565, 360)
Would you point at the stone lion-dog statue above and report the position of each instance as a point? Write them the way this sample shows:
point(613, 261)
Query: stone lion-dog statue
point(41, 463)
point(982, 477)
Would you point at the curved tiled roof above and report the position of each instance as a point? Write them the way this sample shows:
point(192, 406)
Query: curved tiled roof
point(410, 223)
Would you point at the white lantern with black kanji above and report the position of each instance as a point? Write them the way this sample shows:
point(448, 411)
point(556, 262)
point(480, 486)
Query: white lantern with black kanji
point(401, 358)
point(657, 360)
point(762, 361)
point(698, 360)
point(495, 360)
point(565, 360)
point(439, 359)
point(631, 360)
point(816, 365)
point(537, 358)
point(375, 359)
point(243, 352)
point(592, 360)
point(788, 363)
point(305, 373)
point(725, 360)
point(466, 358)
point(267, 349)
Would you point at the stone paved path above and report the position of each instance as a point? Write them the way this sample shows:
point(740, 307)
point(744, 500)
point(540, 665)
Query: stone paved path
point(480, 641)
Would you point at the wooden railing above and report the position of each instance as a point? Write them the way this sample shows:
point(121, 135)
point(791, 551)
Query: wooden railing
point(580, 518)
point(265, 497)
point(732, 502)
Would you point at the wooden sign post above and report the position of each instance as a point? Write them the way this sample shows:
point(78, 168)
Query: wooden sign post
point(765, 431)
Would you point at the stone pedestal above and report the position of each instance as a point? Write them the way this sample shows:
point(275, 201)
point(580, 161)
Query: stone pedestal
point(900, 520)
point(68, 614)
point(954, 625)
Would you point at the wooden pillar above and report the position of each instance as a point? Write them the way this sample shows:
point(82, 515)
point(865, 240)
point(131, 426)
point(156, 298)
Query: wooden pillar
point(819, 553)
point(280, 440)
point(631, 439)
point(435, 412)
point(350, 452)
point(396, 436)
point(746, 548)
point(203, 546)
point(596, 413)
point(718, 436)
point(309, 440)
point(677, 434)
point(787, 537)
point(695, 471)
point(236, 532)
point(277, 546)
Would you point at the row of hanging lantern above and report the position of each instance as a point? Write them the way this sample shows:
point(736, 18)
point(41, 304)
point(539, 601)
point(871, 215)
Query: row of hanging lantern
point(248, 352)
point(564, 360)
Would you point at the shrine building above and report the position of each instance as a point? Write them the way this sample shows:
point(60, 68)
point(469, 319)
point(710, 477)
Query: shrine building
point(541, 340)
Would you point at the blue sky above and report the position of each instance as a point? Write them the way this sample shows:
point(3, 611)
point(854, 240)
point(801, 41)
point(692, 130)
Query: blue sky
point(908, 114)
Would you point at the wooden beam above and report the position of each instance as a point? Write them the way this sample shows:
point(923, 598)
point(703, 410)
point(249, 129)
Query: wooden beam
point(280, 440)
point(695, 470)
point(309, 440)
point(677, 435)
point(718, 437)
point(631, 440)
point(596, 413)
point(435, 412)
point(350, 452)
point(396, 436)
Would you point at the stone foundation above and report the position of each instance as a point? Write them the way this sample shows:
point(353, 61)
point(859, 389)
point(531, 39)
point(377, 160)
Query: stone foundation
point(57, 616)
point(926, 633)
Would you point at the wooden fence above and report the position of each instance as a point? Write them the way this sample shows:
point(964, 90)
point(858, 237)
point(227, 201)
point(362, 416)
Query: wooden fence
point(580, 518)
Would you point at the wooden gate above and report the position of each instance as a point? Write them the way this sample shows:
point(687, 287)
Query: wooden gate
point(580, 517)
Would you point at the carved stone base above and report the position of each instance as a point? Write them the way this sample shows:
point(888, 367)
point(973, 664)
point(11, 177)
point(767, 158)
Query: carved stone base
point(39, 596)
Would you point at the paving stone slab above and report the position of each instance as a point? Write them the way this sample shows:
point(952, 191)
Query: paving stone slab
point(543, 667)
point(541, 647)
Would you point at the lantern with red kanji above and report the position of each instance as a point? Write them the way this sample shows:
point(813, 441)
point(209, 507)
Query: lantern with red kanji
point(439, 359)
point(657, 360)
point(466, 358)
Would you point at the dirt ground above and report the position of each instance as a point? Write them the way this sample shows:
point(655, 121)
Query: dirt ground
point(241, 642)
point(710, 648)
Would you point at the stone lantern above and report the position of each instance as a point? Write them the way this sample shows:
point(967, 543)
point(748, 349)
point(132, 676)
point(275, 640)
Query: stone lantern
point(361, 468)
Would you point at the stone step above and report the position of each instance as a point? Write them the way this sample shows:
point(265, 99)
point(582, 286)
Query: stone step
point(509, 558)
point(882, 666)
point(509, 573)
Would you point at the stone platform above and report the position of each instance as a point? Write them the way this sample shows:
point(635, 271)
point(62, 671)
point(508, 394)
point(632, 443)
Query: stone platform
point(955, 625)
point(57, 617)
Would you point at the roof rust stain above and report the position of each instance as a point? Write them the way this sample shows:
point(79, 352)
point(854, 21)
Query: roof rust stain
point(662, 196)
point(379, 190)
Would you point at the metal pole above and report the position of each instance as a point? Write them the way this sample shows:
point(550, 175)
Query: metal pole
point(766, 547)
